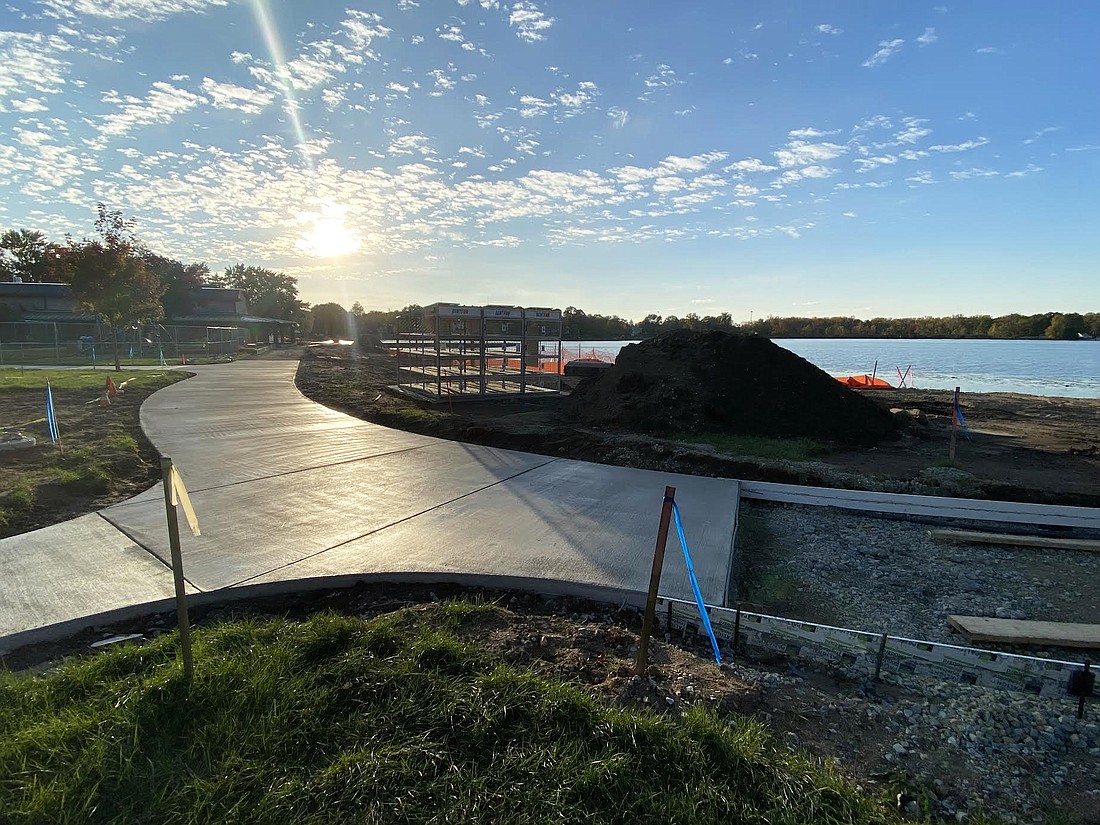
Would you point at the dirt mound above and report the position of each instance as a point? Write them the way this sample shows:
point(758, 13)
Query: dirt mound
point(696, 382)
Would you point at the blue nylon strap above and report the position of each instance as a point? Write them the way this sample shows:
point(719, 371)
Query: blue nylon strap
point(51, 420)
point(962, 420)
point(695, 583)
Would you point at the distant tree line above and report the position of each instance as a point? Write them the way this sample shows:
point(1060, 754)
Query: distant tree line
point(578, 325)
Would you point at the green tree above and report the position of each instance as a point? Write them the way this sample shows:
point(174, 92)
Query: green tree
point(108, 276)
point(180, 282)
point(26, 254)
point(331, 321)
point(269, 294)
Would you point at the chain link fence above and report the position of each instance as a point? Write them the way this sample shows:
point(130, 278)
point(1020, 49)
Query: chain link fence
point(44, 343)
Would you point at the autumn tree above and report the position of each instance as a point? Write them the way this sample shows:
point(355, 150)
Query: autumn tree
point(108, 276)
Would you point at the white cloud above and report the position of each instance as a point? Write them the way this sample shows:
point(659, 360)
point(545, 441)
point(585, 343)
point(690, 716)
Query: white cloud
point(394, 86)
point(161, 105)
point(1044, 131)
point(867, 164)
point(619, 117)
point(1030, 169)
point(888, 48)
point(828, 28)
point(31, 62)
point(229, 96)
point(531, 106)
point(530, 22)
point(146, 10)
point(928, 38)
point(975, 172)
point(989, 50)
point(799, 153)
point(920, 179)
point(965, 146)
point(810, 133)
point(749, 165)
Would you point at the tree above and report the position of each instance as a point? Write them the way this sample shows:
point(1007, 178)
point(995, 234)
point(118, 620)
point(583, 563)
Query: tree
point(28, 255)
point(108, 276)
point(331, 321)
point(269, 294)
point(180, 282)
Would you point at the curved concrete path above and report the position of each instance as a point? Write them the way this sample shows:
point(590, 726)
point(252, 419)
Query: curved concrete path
point(287, 489)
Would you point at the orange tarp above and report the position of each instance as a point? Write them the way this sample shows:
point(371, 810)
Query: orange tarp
point(864, 382)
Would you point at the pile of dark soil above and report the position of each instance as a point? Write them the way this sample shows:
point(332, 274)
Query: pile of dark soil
point(717, 382)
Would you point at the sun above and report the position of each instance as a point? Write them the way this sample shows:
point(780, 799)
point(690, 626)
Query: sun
point(327, 235)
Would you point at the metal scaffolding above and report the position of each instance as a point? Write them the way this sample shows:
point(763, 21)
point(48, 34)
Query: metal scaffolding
point(453, 351)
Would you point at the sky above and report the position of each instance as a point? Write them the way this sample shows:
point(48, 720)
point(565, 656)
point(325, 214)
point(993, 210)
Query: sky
point(625, 157)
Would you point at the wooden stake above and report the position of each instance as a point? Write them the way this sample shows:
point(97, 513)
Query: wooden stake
point(166, 470)
point(655, 580)
point(881, 655)
point(954, 424)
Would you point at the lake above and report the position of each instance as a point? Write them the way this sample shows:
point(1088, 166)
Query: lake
point(1057, 368)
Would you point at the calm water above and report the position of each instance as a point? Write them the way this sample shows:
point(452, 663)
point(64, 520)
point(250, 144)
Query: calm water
point(1066, 368)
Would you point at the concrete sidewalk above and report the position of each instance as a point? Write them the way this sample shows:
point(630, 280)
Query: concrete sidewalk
point(288, 489)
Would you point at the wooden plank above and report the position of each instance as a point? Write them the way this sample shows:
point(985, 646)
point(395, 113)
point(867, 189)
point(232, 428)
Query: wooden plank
point(975, 537)
point(1018, 632)
point(1086, 518)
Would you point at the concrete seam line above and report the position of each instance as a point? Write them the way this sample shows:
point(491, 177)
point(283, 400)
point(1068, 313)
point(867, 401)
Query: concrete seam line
point(286, 473)
point(148, 550)
point(386, 526)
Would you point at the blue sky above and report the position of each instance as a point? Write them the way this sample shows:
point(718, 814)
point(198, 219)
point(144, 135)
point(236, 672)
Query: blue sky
point(624, 157)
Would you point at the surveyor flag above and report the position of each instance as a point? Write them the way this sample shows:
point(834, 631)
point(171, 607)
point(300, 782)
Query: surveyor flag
point(51, 419)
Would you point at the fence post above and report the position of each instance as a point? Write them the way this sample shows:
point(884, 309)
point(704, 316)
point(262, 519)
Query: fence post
point(166, 470)
point(655, 580)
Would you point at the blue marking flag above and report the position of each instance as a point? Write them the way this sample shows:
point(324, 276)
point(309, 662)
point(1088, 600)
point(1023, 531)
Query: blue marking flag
point(51, 419)
point(962, 422)
point(695, 584)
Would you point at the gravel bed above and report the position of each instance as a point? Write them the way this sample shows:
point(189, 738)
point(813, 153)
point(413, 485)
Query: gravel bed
point(967, 748)
point(884, 575)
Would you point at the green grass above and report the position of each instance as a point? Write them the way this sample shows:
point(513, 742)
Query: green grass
point(789, 449)
point(15, 380)
point(396, 719)
point(22, 494)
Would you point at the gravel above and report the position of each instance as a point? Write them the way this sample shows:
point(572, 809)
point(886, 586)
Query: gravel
point(967, 748)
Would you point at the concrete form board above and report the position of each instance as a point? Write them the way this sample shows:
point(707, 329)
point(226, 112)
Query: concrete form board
point(67, 570)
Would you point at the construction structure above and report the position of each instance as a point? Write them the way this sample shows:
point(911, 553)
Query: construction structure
point(450, 351)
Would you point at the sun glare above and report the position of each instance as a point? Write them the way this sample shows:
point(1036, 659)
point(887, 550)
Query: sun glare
point(327, 236)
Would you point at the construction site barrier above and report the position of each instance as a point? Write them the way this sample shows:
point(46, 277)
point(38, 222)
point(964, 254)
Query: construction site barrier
point(862, 654)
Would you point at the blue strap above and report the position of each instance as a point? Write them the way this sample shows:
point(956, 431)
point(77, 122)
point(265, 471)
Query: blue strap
point(51, 420)
point(962, 420)
point(695, 583)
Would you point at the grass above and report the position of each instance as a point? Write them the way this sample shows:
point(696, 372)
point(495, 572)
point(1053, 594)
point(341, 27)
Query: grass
point(395, 719)
point(16, 380)
point(788, 449)
point(105, 457)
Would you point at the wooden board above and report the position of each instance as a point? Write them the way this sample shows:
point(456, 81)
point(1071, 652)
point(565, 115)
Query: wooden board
point(975, 537)
point(1018, 632)
point(940, 507)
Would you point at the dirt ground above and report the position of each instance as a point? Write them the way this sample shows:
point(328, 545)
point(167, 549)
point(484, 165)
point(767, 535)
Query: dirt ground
point(1024, 448)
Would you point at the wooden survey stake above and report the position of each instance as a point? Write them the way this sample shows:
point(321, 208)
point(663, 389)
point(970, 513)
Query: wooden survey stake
point(168, 476)
point(655, 580)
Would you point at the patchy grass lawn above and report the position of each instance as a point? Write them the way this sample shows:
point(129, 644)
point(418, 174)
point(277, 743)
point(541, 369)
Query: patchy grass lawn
point(105, 456)
point(789, 449)
point(401, 718)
